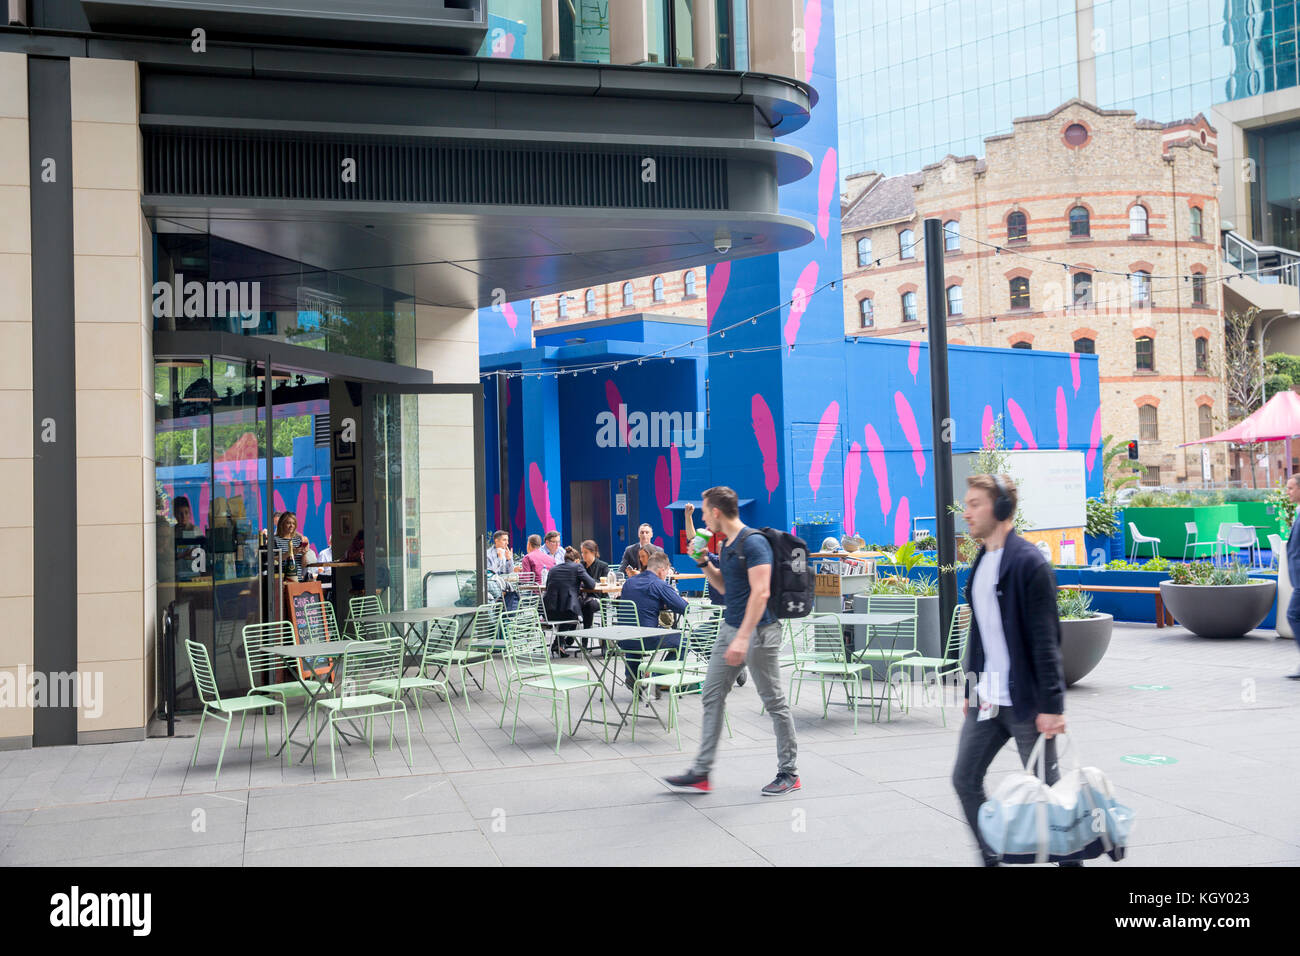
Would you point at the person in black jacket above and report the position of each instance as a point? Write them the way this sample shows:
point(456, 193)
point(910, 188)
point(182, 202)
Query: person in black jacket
point(563, 597)
point(1015, 653)
point(631, 563)
point(597, 569)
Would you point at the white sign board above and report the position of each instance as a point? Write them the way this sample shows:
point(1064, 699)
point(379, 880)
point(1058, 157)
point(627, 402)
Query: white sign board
point(620, 505)
point(1207, 474)
point(1051, 486)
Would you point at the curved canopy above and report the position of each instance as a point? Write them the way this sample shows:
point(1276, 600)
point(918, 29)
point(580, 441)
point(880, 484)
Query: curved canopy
point(1279, 419)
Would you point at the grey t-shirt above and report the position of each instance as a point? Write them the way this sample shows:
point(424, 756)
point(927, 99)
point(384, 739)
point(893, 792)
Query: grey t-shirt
point(734, 562)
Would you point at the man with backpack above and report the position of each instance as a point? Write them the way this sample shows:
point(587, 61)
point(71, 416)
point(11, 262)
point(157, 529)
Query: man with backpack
point(750, 633)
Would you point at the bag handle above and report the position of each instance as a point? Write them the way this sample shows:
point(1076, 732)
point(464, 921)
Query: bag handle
point(1037, 760)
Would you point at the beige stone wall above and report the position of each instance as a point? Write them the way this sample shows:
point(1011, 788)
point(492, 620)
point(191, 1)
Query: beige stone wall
point(1035, 172)
point(114, 366)
point(609, 299)
point(16, 437)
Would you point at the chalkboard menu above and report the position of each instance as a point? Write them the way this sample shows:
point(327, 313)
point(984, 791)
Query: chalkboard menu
point(297, 596)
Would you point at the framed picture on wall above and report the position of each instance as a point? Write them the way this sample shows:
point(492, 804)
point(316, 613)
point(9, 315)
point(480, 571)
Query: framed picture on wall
point(344, 450)
point(345, 522)
point(345, 486)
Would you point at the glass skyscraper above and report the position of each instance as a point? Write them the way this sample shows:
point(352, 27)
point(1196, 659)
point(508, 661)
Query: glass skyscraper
point(938, 76)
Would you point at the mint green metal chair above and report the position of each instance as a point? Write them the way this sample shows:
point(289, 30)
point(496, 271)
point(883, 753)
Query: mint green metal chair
point(522, 623)
point(683, 677)
point(364, 606)
point(950, 663)
point(699, 633)
point(819, 654)
point(441, 652)
point(368, 685)
point(441, 640)
point(225, 709)
point(534, 675)
point(892, 642)
point(265, 667)
point(485, 636)
point(320, 623)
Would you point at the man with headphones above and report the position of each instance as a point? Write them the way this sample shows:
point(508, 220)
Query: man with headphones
point(1015, 647)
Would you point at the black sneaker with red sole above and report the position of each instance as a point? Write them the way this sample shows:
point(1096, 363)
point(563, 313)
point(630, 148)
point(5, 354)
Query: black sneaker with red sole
point(689, 783)
point(783, 784)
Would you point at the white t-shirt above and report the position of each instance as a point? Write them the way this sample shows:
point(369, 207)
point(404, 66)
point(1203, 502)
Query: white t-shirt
point(994, 680)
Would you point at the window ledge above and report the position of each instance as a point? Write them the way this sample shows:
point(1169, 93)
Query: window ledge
point(1087, 238)
point(1144, 371)
point(1140, 237)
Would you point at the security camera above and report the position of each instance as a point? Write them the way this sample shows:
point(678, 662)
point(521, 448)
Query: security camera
point(722, 242)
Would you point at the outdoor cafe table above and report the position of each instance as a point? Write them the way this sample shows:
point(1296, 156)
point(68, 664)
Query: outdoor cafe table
point(612, 635)
point(299, 654)
point(869, 619)
point(409, 620)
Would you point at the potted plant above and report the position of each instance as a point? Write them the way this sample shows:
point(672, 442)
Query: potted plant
point(1217, 602)
point(1085, 634)
point(925, 588)
point(816, 528)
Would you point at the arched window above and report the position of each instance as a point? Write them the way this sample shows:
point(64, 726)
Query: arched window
point(1080, 225)
point(1146, 354)
point(1085, 346)
point(954, 300)
point(864, 251)
point(1198, 288)
point(867, 310)
point(951, 238)
point(1141, 285)
point(907, 244)
point(688, 283)
point(537, 310)
point(1017, 227)
point(658, 287)
point(629, 295)
point(1082, 289)
point(590, 301)
point(1205, 419)
point(1023, 345)
point(1137, 220)
point(909, 306)
point(562, 306)
point(1020, 293)
point(1196, 227)
point(1148, 423)
point(1202, 354)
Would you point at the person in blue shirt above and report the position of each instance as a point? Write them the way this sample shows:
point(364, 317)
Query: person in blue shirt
point(749, 633)
point(651, 593)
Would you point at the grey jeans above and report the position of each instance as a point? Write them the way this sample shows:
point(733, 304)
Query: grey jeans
point(979, 744)
point(764, 665)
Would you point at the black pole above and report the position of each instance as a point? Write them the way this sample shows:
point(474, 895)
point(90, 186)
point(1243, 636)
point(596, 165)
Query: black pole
point(941, 419)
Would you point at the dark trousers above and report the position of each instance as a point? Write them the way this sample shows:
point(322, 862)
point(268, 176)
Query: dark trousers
point(1293, 615)
point(589, 608)
point(633, 656)
point(979, 744)
point(512, 600)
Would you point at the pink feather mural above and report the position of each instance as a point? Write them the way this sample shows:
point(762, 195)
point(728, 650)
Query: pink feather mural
point(827, 183)
point(675, 471)
point(914, 358)
point(503, 47)
point(827, 430)
point(852, 475)
point(512, 320)
point(1062, 420)
point(876, 457)
point(986, 427)
point(615, 398)
point(329, 526)
point(300, 509)
point(1021, 423)
point(1094, 440)
point(765, 432)
point(716, 290)
point(663, 493)
point(540, 493)
point(908, 420)
point(902, 522)
point(316, 489)
point(1074, 371)
point(812, 24)
point(799, 300)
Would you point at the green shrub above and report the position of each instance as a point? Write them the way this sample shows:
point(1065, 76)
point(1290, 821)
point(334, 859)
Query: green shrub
point(1156, 564)
point(1119, 564)
point(1101, 517)
point(1072, 605)
point(1205, 574)
point(920, 586)
point(928, 543)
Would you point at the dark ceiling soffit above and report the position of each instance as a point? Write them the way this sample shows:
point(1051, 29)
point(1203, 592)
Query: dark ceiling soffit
point(784, 103)
point(290, 357)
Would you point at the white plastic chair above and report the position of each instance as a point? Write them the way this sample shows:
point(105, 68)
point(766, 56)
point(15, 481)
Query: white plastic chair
point(1140, 539)
point(1241, 537)
point(1276, 546)
point(1190, 542)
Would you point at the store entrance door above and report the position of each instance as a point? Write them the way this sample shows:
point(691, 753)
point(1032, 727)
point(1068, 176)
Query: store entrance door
point(424, 501)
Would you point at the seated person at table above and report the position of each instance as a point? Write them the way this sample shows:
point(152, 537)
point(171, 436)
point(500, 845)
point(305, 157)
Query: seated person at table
point(500, 564)
point(597, 569)
point(651, 594)
point(551, 545)
point(536, 562)
point(563, 597)
point(630, 564)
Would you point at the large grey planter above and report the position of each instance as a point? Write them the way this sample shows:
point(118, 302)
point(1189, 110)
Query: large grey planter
point(1083, 644)
point(1230, 610)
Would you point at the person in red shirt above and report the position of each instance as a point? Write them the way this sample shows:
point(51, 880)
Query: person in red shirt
point(537, 561)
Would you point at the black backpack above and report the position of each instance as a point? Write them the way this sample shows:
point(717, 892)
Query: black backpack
point(792, 575)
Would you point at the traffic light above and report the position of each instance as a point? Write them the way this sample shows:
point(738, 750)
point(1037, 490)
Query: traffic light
point(1133, 451)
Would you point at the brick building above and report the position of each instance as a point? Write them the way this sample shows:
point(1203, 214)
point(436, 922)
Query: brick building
point(679, 293)
point(1083, 230)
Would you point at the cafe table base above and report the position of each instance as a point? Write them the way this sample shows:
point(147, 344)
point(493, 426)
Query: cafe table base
point(297, 654)
point(608, 668)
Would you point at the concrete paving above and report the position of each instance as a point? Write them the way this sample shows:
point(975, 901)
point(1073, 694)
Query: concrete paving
point(1225, 719)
